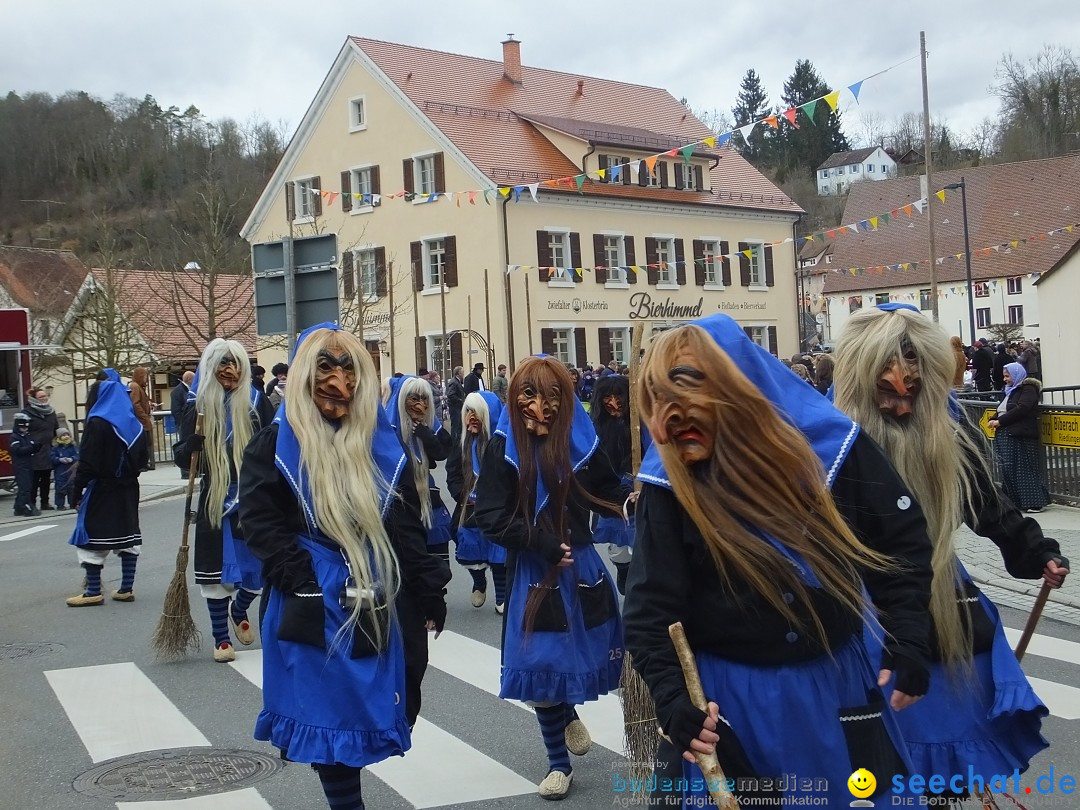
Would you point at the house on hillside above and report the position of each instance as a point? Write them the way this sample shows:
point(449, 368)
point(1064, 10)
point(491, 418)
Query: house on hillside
point(402, 155)
point(1020, 223)
point(843, 169)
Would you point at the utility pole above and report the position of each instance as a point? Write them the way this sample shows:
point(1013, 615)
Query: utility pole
point(928, 149)
point(290, 291)
point(390, 304)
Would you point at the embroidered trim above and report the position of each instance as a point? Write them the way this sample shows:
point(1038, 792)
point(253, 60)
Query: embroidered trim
point(841, 454)
point(860, 717)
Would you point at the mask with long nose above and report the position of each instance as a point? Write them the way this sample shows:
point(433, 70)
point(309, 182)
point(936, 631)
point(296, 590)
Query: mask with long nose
point(682, 417)
point(538, 407)
point(898, 386)
point(335, 381)
point(228, 372)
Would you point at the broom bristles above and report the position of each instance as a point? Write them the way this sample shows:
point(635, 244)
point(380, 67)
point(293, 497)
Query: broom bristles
point(176, 631)
point(639, 724)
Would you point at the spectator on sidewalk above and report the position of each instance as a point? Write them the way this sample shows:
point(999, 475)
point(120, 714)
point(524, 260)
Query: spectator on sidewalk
point(499, 383)
point(22, 449)
point(65, 455)
point(275, 389)
point(43, 427)
point(1031, 359)
point(1016, 441)
point(455, 398)
point(474, 380)
point(179, 396)
point(144, 409)
point(982, 363)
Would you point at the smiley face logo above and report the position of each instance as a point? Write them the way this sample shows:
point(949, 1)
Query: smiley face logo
point(861, 783)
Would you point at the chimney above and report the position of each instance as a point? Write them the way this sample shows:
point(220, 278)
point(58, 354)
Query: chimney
point(512, 59)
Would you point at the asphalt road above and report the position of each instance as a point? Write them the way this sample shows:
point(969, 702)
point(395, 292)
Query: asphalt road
point(95, 690)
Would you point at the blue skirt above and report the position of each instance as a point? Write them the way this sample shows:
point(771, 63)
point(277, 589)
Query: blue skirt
point(990, 723)
point(473, 548)
point(614, 531)
point(574, 652)
point(321, 705)
point(788, 720)
point(238, 565)
point(441, 531)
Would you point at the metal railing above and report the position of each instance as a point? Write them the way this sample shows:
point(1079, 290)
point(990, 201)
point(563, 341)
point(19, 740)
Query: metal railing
point(164, 435)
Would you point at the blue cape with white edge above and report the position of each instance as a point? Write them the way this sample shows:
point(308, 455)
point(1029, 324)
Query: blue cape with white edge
point(495, 410)
point(583, 443)
point(113, 404)
point(386, 451)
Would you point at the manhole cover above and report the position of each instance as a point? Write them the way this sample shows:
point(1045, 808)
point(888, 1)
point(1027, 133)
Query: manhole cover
point(176, 773)
point(31, 649)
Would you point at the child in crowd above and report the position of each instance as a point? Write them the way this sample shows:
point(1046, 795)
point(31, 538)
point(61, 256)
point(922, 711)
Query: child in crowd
point(65, 455)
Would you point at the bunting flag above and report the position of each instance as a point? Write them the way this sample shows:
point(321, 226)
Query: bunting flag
point(687, 151)
point(855, 88)
point(711, 141)
point(772, 122)
point(723, 139)
point(533, 188)
point(790, 116)
point(833, 100)
point(808, 109)
point(746, 130)
point(941, 195)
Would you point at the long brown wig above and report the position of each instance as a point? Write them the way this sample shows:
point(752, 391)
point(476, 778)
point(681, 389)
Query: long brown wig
point(762, 474)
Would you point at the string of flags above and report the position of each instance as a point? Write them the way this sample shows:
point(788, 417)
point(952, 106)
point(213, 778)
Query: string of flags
point(614, 173)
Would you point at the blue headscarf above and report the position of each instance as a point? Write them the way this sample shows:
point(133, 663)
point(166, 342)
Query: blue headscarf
point(386, 450)
point(1018, 374)
point(828, 431)
point(583, 443)
point(113, 404)
point(495, 410)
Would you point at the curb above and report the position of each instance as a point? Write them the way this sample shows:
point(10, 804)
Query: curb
point(1023, 587)
point(167, 492)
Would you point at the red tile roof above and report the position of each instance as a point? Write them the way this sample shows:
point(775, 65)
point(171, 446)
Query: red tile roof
point(1005, 202)
point(43, 281)
point(170, 309)
point(481, 111)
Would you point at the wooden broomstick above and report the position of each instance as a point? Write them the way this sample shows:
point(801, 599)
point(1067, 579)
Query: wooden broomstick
point(176, 632)
point(639, 712)
point(1033, 619)
point(709, 764)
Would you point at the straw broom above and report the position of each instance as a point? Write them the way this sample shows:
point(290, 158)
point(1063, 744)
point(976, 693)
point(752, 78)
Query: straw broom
point(640, 728)
point(176, 632)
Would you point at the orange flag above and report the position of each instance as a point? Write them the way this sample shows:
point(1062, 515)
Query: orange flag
point(773, 122)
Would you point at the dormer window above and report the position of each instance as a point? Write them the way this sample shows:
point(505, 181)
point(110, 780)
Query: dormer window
point(357, 114)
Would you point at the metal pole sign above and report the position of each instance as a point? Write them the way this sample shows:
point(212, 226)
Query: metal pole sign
point(312, 262)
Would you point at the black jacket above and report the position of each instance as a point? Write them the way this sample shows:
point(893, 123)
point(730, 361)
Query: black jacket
point(673, 578)
point(177, 400)
point(1021, 417)
point(42, 430)
point(474, 382)
point(982, 364)
point(455, 398)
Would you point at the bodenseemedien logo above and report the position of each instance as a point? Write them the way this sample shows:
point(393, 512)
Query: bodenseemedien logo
point(862, 784)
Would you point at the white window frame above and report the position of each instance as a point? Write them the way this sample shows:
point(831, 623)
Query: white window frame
point(759, 334)
point(824, 174)
point(1016, 314)
point(618, 270)
point(924, 298)
point(420, 187)
point(665, 255)
point(982, 289)
point(1015, 285)
point(825, 188)
point(884, 168)
point(434, 343)
point(612, 162)
point(427, 244)
point(714, 261)
point(361, 255)
point(870, 167)
point(560, 334)
point(356, 173)
point(358, 123)
point(303, 200)
point(757, 268)
point(982, 317)
point(560, 279)
point(855, 168)
point(689, 178)
point(620, 335)
point(839, 170)
point(654, 175)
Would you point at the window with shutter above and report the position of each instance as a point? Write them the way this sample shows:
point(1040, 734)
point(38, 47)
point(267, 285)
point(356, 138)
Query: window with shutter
point(725, 263)
point(407, 177)
point(772, 341)
point(316, 196)
point(575, 258)
point(770, 278)
point(362, 181)
point(367, 270)
point(680, 263)
point(346, 191)
point(416, 259)
point(744, 264)
point(456, 356)
point(451, 261)
point(602, 162)
point(604, 337)
point(305, 199)
point(439, 168)
point(544, 261)
point(665, 261)
point(651, 260)
point(580, 352)
point(600, 269)
point(547, 341)
point(348, 276)
point(615, 260)
point(699, 178)
point(630, 260)
point(699, 263)
point(382, 272)
point(290, 202)
point(421, 352)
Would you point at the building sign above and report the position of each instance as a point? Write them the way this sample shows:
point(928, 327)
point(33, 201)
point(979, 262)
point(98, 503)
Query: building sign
point(1060, 429)
point(374, 319)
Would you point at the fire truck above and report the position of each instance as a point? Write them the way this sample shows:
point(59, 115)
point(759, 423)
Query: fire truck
point(15, 350)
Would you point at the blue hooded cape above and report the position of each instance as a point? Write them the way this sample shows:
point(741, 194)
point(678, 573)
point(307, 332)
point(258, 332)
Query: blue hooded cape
point(114, 406)
point(386, 450)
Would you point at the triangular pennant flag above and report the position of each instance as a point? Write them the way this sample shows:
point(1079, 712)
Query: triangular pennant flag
point(852, 228)
point(723, 139)
point(831, 234)
point(790, 116)
point(808, 108)
point(710, 141)
point(551, 272)
point(746, 130)
point(687, 151)
point(833, 99)
point(601, 173)
point(550, 183)
point(533, 187)
point(504, 191)
point(333, 195)
point(855, 88)
point(1015, 243)
point(579, 181)
point(472, 197)
point(1069, 228)
point(450, 195)
point(907, 209)
point(885, 218)
point(650, 161)
point(517, 192)
point(873, 222)
point(671, 153)
point(919, 205)
point(746, 253)
point(939, 261)
point(488, 191)
point(773, 121)
point(376, 199)
point(959, 256)
point(864, 224)
point(616, 172)
point(941, 195)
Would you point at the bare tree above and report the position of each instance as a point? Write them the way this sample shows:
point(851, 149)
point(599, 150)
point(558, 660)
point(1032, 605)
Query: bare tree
point(1040, 104)
point(869, 130)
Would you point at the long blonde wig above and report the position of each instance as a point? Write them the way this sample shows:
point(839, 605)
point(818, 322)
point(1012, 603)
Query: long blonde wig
point(336, 462)
point(210, 401)
point(475, 403)
point(417, 455)
point(936, 459)
point(762, 474)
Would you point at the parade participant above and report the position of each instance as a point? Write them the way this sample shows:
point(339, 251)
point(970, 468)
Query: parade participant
point(761, 527)
point(233, 410)
point(610, 413)
point(894, 374)
point(411, 412)
point(329, 506)
point(562, 637)
point(474, 551)
point(105, 490)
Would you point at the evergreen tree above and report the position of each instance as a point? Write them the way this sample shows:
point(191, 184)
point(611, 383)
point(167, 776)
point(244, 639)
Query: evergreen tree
point(752, 104)
point(801, 150)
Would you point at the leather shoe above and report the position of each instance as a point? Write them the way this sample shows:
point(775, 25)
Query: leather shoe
point(82, 600)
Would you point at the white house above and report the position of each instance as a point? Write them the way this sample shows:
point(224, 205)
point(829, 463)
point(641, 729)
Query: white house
point(842, 169)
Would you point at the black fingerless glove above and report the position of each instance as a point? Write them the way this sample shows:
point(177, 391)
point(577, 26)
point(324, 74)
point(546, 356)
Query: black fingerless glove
point(684, 724)
point(912, 676)
point(435, 611)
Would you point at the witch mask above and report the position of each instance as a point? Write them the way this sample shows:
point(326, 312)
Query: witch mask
point(228, 372)
point(899, 385)
point(335, 380)
point(537, 390)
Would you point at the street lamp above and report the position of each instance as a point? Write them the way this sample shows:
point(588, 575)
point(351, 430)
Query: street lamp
point(967, 254)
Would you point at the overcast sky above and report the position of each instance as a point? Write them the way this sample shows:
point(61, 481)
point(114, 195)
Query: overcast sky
point(266, 58)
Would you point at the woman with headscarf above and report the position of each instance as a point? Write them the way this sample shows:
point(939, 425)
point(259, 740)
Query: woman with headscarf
point(762, 527)
point(43, 427)
point(542, 473)
point(1016, 441)
point(233, 410)
point(105, 490)
point(476, 553)
point(330, 507)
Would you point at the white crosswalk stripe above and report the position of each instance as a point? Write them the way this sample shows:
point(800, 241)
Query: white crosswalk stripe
point(27, 532)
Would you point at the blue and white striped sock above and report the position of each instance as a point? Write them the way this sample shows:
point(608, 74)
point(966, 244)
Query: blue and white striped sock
point(553, 728)
point(93, 579)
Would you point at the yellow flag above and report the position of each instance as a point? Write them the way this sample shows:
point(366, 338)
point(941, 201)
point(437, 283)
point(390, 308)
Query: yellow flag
point(941, 195)
point(832, 100)
point(504, 190)
point(710, 141)
point(601, 173)
point(746, 253)
point(873, 222)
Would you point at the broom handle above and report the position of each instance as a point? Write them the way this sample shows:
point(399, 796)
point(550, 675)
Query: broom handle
point(1033, 619)
point(709, 764)
point(193, 471)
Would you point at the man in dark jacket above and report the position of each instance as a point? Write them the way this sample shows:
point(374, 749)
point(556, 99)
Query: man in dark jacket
point(474, 380)
point(455, 398)
point(178, 398)
point(982, 363)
